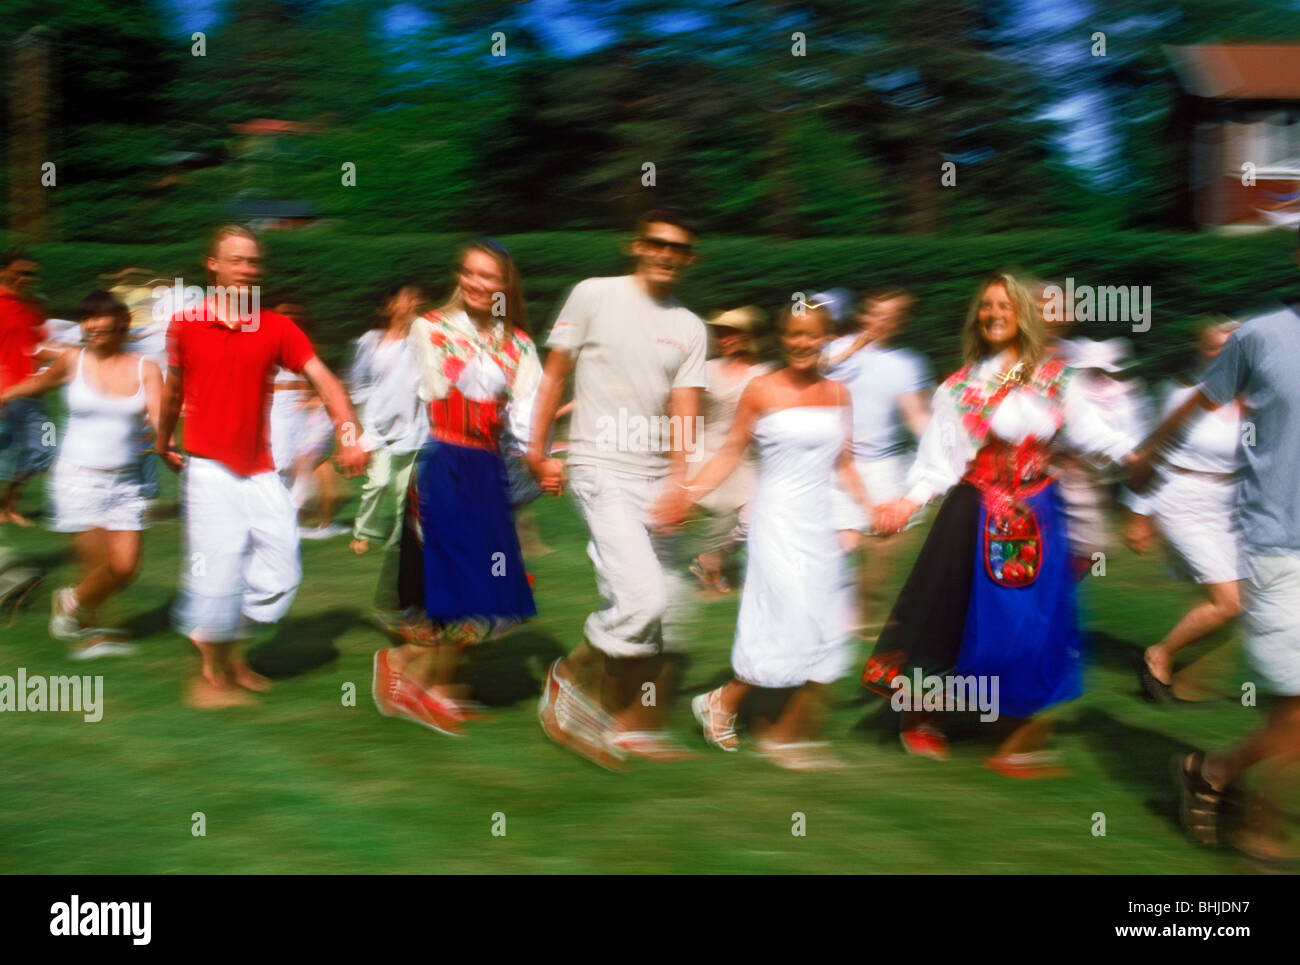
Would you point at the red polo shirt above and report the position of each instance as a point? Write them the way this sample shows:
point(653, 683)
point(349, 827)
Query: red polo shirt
point(227, 376)
point(22, 326)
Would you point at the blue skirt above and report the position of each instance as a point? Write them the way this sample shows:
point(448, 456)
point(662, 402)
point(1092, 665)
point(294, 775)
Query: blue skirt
point(1026, 636)
point(473, 568)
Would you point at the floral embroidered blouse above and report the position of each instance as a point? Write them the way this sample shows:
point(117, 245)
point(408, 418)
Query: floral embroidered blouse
point(967, 413)
point(476, 384)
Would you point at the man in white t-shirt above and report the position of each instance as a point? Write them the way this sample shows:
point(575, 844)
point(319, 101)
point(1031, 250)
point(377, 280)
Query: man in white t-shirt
point(638, 360)
point(891, 389)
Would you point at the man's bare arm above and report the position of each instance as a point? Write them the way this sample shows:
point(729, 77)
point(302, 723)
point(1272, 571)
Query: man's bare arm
point(172, 394)
point(683, 408)
point(351, 457)
point(548, 472)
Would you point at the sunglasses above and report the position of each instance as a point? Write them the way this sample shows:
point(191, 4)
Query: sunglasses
point(662, 244)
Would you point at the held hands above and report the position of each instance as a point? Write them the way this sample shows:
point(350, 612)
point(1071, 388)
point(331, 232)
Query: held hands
point(547, 470)
point(170, 455)
point(352, 460)
point(671, 508)
point(1139, 470)
point(892, 517)
point(1139, 532)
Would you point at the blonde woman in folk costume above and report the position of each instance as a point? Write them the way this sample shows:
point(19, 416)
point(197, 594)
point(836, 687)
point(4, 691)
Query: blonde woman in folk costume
point(992, 595)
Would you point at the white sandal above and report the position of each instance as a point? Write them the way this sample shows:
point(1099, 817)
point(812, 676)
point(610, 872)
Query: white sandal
point(719, 728)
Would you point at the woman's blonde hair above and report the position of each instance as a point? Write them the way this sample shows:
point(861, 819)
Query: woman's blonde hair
point(1029, 324)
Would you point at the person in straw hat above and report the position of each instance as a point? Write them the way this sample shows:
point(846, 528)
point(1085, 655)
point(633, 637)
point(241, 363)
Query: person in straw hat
point(734, 367)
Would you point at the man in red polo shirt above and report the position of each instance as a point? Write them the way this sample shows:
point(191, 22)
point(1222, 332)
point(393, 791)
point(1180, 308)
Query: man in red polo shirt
point(22, 326)
point(242, 565)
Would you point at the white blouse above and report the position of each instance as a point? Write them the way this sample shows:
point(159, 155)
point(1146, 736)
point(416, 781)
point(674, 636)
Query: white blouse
point(947, 447)
point(484, 376)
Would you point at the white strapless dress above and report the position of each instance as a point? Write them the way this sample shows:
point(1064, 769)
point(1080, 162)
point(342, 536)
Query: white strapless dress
point(796, 612)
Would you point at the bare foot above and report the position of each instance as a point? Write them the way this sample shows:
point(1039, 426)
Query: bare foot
point(203, 695)
point(18, 519)
point(359, 546)
point(244, 676)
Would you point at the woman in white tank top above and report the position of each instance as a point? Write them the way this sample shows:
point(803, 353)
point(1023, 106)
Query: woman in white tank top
point(97, 485)
point(1193, 508)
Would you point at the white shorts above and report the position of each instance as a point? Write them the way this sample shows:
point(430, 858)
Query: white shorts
point(241, 561)
point(1196, 514)
point(635, 568)
point(285, 428)
point(1271, 615)
point(85, 499)
point(885, 481)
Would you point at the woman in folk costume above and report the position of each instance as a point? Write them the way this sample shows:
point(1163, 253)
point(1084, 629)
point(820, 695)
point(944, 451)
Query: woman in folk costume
point(991, 597)
point(461, 564)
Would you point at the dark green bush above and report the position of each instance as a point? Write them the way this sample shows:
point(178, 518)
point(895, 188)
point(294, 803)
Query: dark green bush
point(338, 276)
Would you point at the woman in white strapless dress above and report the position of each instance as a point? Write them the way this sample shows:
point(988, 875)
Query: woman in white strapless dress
point(795, 627)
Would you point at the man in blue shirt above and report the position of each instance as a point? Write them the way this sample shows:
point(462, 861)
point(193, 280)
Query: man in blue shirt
point(1259, 363)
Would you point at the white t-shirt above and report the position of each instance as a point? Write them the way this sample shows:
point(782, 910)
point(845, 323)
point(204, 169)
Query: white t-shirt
point(876, 378)
point(630, 351)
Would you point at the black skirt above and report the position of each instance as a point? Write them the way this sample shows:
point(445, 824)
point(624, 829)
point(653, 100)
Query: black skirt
point(924, 629)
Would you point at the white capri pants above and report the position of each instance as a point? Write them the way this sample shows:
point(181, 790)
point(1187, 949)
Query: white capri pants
point(635, 568)
point(241, 561)
point(1271, 615)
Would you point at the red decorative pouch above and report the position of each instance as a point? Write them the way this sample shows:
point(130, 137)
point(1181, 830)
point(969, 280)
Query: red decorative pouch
point(1013, 544)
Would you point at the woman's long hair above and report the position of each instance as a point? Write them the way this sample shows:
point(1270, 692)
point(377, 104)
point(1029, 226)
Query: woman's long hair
point(1029, 324)
point(516, 310)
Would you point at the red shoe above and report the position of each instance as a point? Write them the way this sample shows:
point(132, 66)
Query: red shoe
point(387, 684)
point(435, 711)
point(925, 740)
point(531, 581)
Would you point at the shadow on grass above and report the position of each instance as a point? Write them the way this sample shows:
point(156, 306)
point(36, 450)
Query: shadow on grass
point(157, 620)
point(1107, 651)
point(1135, 757)
point(48, 560)
point(511, 669)
point(303, 644)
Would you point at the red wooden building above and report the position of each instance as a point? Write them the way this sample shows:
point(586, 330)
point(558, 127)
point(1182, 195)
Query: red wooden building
point(1241, 115)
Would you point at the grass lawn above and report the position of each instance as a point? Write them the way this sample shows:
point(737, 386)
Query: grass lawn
point(303, 783)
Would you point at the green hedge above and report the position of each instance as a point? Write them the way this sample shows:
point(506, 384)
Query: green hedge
point(338, 275)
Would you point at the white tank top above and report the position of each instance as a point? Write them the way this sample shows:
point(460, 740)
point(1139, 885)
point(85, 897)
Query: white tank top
point(104, 431)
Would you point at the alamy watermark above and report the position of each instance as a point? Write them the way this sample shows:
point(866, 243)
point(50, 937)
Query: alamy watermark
point(638, 433)
point(242, 303)
point(949, 694)
point(1107, 303)
point(75, 918)
point(70, 694)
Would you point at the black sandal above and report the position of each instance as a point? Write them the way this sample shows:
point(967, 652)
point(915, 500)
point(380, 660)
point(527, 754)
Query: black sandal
point(1200, 806)
point(1155, 688)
